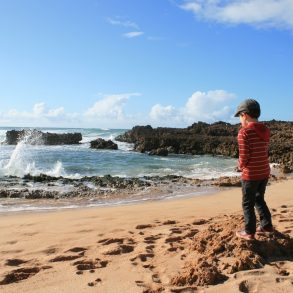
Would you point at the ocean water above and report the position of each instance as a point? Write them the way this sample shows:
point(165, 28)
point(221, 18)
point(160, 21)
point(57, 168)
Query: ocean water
point(77, 161)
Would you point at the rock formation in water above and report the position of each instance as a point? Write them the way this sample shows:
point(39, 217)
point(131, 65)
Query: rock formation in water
point(100, 143)
point(38, 137)
point(219, 138)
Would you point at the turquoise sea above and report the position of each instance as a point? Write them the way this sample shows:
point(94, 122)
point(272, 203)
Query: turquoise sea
point(77, 161)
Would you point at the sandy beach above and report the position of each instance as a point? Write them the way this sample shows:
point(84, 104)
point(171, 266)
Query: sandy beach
point(185, 245)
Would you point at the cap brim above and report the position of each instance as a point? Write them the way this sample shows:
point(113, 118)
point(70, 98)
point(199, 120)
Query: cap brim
point(237, 114)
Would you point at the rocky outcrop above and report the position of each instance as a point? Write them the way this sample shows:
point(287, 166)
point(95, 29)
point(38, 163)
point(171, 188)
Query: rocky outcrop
point(219, 138)
point(198, 139)
point(159, 152)
point(100, 143)
point(38, 137)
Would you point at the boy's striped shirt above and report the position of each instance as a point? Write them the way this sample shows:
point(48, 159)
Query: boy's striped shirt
point(253, 144)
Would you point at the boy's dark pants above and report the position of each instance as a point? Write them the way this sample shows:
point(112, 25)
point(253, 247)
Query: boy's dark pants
point(253, 196)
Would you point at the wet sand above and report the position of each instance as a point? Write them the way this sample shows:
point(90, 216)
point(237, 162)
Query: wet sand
point(185, 245)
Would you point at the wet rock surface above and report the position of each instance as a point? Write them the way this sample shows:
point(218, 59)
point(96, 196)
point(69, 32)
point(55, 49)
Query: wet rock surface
point(47, 187)
point(219, 138)
point(100, 143)
point(38, 137)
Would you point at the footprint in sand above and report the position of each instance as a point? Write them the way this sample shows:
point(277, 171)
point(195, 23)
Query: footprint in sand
point(151, 239)
point(173, 239)
point(50, 250)
point(80, 250)
point(286, 220)
point(14, 262)
point(170, 222)
point(156, 278)
point(176, 231)
point(11, 242)
point(143, 226)
point(97, 281)
point(172, 249)
point(188, 289)
point(200, 222)
point(60, 258)
point(190, 234)
point(150, 248)
point(280, 280)
point(21, 274)
point(140, 283)
point(154, 289)
point(108, 241)
point(143, 257)
point(77, 249)
point(116, 249)
point(248, 287)
point(89, 265)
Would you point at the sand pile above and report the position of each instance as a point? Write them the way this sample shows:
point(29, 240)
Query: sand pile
point(217, 253)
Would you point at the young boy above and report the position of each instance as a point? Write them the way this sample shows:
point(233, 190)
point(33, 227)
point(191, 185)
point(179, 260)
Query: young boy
point(253, 141)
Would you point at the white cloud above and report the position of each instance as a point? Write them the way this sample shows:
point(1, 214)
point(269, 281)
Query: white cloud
point(124, 23)
point(208, 106)
point(110, 107)
point(161, 113)
point(127, 24)
point(56, 112)
point(131, 35)
point(110, 112)
point(39, 115)
point(259, 13)
point(38, 109)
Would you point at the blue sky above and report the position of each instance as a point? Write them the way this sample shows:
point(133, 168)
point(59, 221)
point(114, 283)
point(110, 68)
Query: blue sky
point(116, 64)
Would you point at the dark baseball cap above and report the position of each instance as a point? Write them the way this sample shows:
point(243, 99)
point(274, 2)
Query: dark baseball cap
point(249, 106)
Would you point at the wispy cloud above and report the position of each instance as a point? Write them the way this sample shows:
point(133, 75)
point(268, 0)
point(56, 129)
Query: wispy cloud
point(121, 22)
point(126, 24)
point(258, 13)
point(131, 35)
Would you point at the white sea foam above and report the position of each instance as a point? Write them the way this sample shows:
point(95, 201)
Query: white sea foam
point(21, 160)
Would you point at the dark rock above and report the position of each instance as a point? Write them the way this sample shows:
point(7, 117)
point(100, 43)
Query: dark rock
point(41, 178)
point(218, 139)
point(159, 152)
point(38, 137)
point(100, 143)
point(227, 182)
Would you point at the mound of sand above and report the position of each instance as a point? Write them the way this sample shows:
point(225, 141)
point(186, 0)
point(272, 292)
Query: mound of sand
point(218, 253)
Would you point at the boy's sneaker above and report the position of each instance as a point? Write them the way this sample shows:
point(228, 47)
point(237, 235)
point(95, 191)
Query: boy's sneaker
point(244, 235)
point(260, 230)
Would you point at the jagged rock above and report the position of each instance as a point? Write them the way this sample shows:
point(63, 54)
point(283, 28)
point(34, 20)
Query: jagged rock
point(159, 152)
point(38, 137)
point(100, 143)
point(219, 138)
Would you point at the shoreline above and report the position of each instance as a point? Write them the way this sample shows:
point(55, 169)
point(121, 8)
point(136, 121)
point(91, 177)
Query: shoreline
point(41, 198)
point(134, 248)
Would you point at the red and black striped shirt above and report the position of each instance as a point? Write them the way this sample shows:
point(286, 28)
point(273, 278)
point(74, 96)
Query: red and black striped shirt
point(253, 142)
